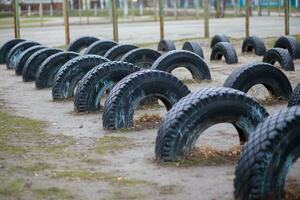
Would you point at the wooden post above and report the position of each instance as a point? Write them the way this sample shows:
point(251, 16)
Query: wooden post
point(206, 20)
point(115, 20)
point(286, 16)
point(247, 7)
point(16, 19)
point(66, 21)
point(161, 19)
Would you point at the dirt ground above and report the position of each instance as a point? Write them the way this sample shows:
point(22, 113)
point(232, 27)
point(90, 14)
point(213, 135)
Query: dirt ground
point(48, 151)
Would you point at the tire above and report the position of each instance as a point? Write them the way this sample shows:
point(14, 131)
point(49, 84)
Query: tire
point(182, 58)
point(289, 43)
point(248, 75)
point(81, 43)
point(71, 73)
point(16, 51)
point(98, 80)
point(6, 47)
point(166, 45)
point(24, 57)
point(281, 56)
point(33, 63)
point(193, 47)
point(218, 38)
point(118, 51)
point(193, 114)
point(48, 69)
point(253, 43)
point(224, 49)
point(143, 58)
point(100, 47)
point(128, 93)
point(295, 98)
point(267, 157)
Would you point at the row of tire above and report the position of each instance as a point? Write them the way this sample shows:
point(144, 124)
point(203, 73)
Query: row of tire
point(89, 76)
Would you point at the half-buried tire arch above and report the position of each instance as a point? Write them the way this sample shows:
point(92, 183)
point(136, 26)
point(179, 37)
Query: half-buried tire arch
point(218, 38)
point(141, 57)
point(193, 114)
point(71, 73)
point(48, 69)
point(254, 43)
point(118, 51)
point(130, 91)
point(281, 56)
point(81, 43)
point(100, 47)
point(295, 98)
point(6, 47)
point(248, 75)
point(224, 49)
point(182, 58)
point(166, 45)
point(289, 43)
point(97, 81)
point(33, 63)
point(193, 47)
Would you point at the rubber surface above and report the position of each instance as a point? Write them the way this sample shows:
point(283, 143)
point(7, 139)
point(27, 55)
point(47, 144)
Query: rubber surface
point(166, 45)
point(254, 43)
point(97, 81)
point(295, 98)
point(193, 47)
point(100, 47)
point(6, 47)
point(81, 43)
point(281, 56)
point(289, 43)
point(182, 58)
point(246, 76)
point(49, 68)
point(218, 38)
point(268, 156)
point(193, 114)
point(127, 94)
point(224, 49)
point(118, 51)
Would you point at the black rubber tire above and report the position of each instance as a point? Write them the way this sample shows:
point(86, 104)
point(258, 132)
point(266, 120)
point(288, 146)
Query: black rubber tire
point(33, 63)
point(141, 57)
point(182, 58)
point(100, 47)
point(193, 114)
point(254, 43)
point(24, 57)
point(224, 49)
point(81, 43)
point(118, 51)
point(218, 38)
point(295, 98)
point(248, 75)
point(281, 56)
point(128, 93)
point(15, 53)
point(193, 47)
point(98, 80)
point(267, 157)
point(71, 73)
point(289, 43)
point(48, 69)
point(166, 45)
point(6, 47)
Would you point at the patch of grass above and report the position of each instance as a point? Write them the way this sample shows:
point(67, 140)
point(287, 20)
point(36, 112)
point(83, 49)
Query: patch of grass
point(297, 38)
point(167, 189)
point(13, 189)
point(30, 170)
point(125, 195)
point(93, 161)
point(63, 46)
point(52, 193)
point(112, 144)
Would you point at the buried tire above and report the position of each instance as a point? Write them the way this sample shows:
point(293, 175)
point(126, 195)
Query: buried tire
point(131, 90)
point(71, 73)
point(166, 45)
point(33, 63)
point(81, 43)
point(281, 56)
point(193, 47)
point(267, 157)
point(218, 38)
point(48, 69)
point(248, 75)
point(141, 57)
point(118, 51)
point(289, 43)
point(224, 49)
point(94, 84)
point(295, 98)
point(6, 47)
point(182, 58)
point(193, 114)
point(254, 43)
point(100, 47)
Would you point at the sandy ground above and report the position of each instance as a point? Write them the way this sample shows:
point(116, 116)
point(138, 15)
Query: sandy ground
point(135, 160)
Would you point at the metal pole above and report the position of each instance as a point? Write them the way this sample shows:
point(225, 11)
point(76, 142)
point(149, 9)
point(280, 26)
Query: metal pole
point(269, 8)
point(197, 8)
point(87, 11)
point(66, 21)
point(247, 6)
point(115, 20)
point(259, 8)
point(41, 13)
point(16, 19)
point(155, 9)
point(206, 20)
point(80, 10)
point(286, 16)
point(279, 9)
point(175, 9)
point(161, 19)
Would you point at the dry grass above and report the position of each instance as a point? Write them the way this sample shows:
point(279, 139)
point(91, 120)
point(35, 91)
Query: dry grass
point(292, 191)
point(148, 121)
